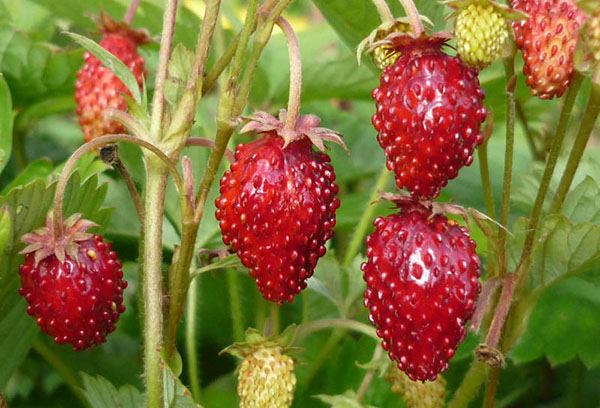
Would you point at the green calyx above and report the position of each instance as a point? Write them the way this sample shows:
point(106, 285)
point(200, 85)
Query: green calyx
point(481, 29)
point(256, 340)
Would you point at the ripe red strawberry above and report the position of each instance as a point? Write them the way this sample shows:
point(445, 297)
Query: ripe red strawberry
point(73, 283)
point(278, 202)
point(547, 39)
point(422, 279)
point(98, 89)
point(429, 113)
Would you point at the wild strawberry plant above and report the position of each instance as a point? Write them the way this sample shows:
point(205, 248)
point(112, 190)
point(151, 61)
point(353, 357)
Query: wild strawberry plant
point(419, 226)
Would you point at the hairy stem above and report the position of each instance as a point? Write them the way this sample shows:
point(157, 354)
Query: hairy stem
point(484, 169)
point(368, 378)
point(63, 369)
point(548, 172)
point(156, 185)
point(293, 111)
point(384, 11)
point(536, 154)
point(511, 83)
point(366, 218)
point(413, 15)
point(93, 144)
point(130, 13)
point(166, 43)
point(585, 131)
point(468, 389)
point(491, 387)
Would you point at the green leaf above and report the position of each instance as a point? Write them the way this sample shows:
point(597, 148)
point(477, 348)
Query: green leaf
point(564, 325)
point(33, 70)
point(6, 123)
point(583, 202)
point(176, 395)
point(111, 62)
point(180, 67)
point(345, 400)
point(37, 170)
point(4, 227)
point(100, 393)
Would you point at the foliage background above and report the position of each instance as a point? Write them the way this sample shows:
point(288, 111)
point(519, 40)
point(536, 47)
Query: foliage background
point(556, 363)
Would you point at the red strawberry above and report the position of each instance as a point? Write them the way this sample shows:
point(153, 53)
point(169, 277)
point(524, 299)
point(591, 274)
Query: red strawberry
point(547, 39)
point(422, 279)
point(97, 88)
point(278, 202)
point(73, 283)
point(429, 113)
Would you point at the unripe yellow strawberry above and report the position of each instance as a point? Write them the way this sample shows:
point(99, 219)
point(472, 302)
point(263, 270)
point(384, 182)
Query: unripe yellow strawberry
point(266, 379)
point(593, 34)
point(417, 394)
point(385, 55)
point(481, 32)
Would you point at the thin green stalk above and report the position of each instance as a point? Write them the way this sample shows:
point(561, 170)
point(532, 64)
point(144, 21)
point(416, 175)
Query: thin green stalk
point(491, 387)
point(156, 185)
point(324, 355)
point(235, 304)
point(413, 15)
point(130, 13)
point(511, 83)
point(471, 383)
point(585, 130)
point(366, 218)
point(548, 171)
point(384, 11)
point(261, 311)
point(63, 369)
point(323, 324)
point(368, 378)
point(484, 170)
point(535, 153)
point(305, 307)
point(166, 43)
point(191, 341)
point(222, 63)
point(275, 317)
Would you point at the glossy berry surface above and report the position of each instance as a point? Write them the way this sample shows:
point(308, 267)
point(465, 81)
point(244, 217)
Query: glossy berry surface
point(277, 210)
point(422, 280)
point(428, 118)
point(98, 89)
point(548, 39)
point(78, 302)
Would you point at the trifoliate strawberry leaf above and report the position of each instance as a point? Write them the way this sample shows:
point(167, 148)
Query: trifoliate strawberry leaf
point(583, 202)
point(37, 170)
point(33, 70)
point(111, 62)
point(100, 393)
point(564, 325)
point(6, 123)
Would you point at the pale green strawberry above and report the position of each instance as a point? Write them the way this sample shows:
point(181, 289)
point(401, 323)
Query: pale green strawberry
point(417, 394)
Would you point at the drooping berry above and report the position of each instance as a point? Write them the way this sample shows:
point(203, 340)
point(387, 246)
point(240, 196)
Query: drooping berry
point(266, 379)
point(431, 394)
point(98, 89)
point(278, 202)
point(548, 39)
point(73, 283)
point(422, 278)
point(481, 30)
point(429, 114)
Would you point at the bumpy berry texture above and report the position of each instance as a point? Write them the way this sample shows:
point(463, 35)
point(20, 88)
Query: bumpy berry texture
point(277, 210)
point(428, 118)
point(266, 379)
point(77, 300)
point(548, 39)
point(98, 89)
point(385, 55)
point(593, 33)
point(481, 32)
point(415, 394)
point(422, 278)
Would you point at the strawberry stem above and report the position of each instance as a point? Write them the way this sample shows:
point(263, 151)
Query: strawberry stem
point(323, 324)
point(293, 111)
point(198, 141)
point(368, 378)
point(413, 15)
point(384, 11)
point(130, 14)
point(191, 340)
point(57, 216)
point(585, 130)
point(484, 169)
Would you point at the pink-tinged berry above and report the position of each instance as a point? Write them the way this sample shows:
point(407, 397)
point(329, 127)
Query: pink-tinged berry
point(422, 278)
point(73, 284)
point(98, 89)
point(548, 39)
point(429, 115)
point(278, 202)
